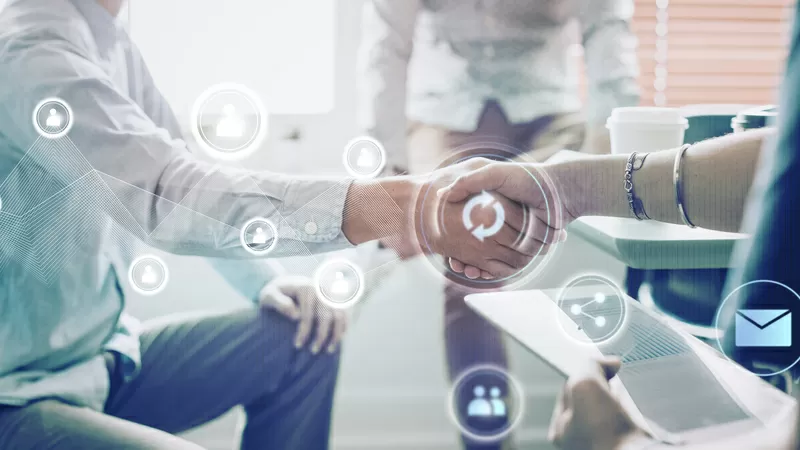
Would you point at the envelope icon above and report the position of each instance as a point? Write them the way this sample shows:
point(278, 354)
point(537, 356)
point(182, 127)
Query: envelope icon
point(763, 328)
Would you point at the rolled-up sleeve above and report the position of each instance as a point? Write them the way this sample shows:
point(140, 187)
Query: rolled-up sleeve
point(145, 179)
point(610, 55)
point(386, 44)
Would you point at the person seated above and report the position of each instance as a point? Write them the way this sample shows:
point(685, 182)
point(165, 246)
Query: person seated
point(75, 370)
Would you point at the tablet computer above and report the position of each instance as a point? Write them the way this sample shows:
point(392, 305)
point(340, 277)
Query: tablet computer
point(666, 382)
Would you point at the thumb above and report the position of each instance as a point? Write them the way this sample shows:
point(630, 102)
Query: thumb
point(282, 303)
point(483, 179)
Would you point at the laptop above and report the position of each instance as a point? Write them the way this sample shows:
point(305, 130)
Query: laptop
point(675, 386)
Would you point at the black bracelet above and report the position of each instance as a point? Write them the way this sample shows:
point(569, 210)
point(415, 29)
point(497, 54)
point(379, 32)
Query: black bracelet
point(634, 202)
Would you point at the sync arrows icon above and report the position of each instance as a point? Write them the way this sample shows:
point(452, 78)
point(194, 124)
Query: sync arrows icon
point(484, 199)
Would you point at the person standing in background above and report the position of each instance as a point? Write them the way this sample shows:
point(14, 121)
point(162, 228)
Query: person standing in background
point(437, 76)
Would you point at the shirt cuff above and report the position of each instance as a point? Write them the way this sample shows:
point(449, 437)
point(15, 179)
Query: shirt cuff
point(313, 211)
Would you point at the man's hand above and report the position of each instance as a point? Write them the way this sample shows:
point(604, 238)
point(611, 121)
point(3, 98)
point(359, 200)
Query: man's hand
point(523, 183)
point(440, 227)
point(296, 298)
point(588, 417)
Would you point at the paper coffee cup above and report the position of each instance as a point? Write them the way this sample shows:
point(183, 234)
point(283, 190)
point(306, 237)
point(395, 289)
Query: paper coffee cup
point(645, 129)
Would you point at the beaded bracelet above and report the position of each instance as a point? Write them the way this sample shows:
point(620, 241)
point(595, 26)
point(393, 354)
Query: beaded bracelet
point(634, 202)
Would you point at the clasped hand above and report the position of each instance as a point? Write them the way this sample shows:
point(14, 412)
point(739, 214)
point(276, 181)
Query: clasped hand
point(532, 222)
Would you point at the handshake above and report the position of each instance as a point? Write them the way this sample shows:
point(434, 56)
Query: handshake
point(490, 219)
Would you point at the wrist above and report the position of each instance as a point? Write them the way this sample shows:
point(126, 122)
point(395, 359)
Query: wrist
point(376, 209)
point(591, 185)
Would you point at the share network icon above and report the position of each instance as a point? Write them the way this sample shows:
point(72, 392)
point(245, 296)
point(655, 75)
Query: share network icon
point(485, 200)
point(593, 309)
point(577, 309)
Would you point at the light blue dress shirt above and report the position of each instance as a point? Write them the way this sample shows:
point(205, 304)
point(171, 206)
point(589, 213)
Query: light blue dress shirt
point(122, 170)
point(439, 61)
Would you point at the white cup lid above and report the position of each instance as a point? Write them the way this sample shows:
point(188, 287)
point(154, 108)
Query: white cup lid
point(648, 115)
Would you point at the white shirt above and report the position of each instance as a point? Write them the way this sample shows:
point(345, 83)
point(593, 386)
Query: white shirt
point(439, 61)
point(122, 166)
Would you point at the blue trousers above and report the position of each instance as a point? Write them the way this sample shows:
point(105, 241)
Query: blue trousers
point(194, 369)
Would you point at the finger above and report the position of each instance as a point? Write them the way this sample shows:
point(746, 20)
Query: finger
point(558, 419)
point(340, 323)
point(472, 272)
point(486, 275)
point(513, 239)
point(487, 178)
point(324, 325)
point(456, 265)
point(498, 269)
point(306, 320)
point(559, 427)
point(515, 214)
point(508, 255)
point(610, 366)
point(281, 303)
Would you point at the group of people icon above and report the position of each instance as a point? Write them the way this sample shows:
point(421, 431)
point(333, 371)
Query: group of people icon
point(480, 406)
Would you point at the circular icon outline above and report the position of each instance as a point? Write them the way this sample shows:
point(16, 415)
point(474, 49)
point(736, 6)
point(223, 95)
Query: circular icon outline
point(252, 143)
point(716, 325)
point(507, 153)
point(515, 386)
point(349, 147)
point(135, 286)
point(620, 324)
point(354, 298)
point(243, 236)
point(70, 118)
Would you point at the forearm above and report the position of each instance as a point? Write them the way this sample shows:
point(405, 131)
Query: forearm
point(716, 174)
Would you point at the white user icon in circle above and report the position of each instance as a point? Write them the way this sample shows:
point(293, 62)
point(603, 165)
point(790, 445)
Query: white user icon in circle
point(52, 118)
point(364, 157)
point(339, 283)
point(148, 275)
point(259, 236)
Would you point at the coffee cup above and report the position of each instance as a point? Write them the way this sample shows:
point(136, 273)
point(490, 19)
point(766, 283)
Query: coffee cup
point(645, 129)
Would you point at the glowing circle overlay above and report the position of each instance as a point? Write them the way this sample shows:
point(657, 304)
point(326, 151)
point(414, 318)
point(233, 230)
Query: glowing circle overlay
point(350, 147)
point(584, 282)
point(513, 387)
point(497, 152)
point(259, 221)
point(143, 259)
point(252, 143)
point(719, 311)
point(333, 264)
point(50, 101)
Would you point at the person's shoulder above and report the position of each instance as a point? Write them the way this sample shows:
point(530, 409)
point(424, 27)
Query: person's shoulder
point(31, 25)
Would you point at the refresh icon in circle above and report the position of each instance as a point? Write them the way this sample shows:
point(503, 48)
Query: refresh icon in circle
point(485, 200)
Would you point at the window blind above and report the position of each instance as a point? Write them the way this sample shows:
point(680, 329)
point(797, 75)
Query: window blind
point(711, 51)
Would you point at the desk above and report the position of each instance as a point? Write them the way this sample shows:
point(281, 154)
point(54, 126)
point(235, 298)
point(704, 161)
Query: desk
point(653, 245)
